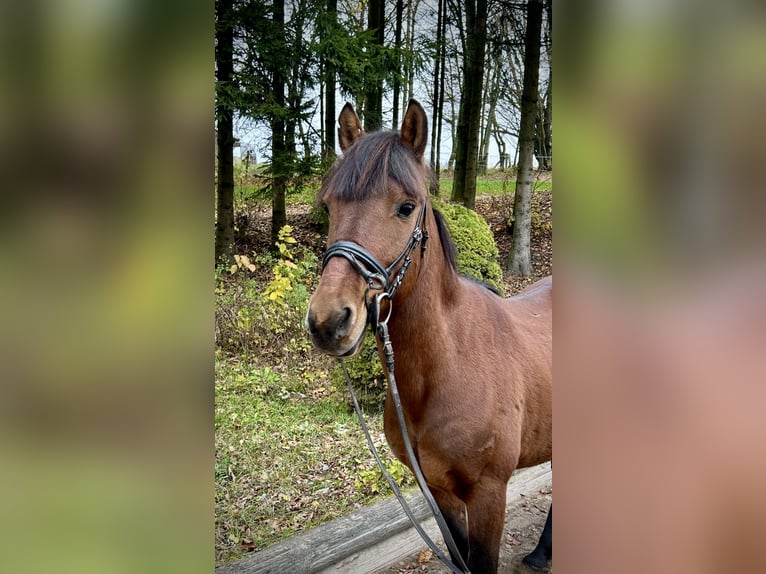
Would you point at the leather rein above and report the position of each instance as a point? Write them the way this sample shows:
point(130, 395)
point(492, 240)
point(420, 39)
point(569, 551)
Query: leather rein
point(379, 278)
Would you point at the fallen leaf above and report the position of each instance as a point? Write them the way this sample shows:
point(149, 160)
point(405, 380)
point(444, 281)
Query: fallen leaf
point(425, 555)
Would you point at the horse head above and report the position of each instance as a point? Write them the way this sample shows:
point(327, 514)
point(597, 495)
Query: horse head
point(376, 197)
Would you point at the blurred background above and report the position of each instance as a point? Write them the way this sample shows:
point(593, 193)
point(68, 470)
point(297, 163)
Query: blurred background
point(106, 147)
point(660, 319)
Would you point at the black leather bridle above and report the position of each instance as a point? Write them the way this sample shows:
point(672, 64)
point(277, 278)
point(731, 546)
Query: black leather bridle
point(380, 279)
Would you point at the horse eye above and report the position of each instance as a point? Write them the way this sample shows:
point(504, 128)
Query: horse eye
point(406, 209)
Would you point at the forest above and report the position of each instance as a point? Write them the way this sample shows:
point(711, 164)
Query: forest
point(482, 69)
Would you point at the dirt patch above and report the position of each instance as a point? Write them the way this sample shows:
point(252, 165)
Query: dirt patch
point(496, 210)
point(253, 233)
point(524, 522)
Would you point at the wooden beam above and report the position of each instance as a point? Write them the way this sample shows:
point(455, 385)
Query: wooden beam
point(366, 540)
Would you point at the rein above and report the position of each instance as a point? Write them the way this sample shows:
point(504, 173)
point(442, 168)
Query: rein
point(378, 278)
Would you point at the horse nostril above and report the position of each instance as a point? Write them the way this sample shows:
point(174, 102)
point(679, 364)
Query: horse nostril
point(344, 321)
point(334, 327)
point(311, 322)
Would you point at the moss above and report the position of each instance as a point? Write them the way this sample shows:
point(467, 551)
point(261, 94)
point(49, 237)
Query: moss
point(477, 252)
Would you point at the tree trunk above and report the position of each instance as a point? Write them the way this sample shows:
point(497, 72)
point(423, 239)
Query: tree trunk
point(519, 260)
point(328, 152)
point(279, 155)
point(482, 157)
point(544, 145)
point(453, 130)
point(547, 122)
point(464, 186)
point(491, 95)
point(440, 107)
point(548, 110)
point(501, 147)
point(373, 113)
point(224, 60)
point(412, 14)
point(437, 72)
point(398, 71)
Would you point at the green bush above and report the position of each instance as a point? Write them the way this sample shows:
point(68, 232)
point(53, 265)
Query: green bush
point(250, 319)
point(366, 374)
point(371, 482)
point(477, 258)
point(477, 251)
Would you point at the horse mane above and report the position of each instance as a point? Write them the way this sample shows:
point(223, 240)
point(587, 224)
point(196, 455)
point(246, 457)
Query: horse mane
point(372, 160)
point(448, 246)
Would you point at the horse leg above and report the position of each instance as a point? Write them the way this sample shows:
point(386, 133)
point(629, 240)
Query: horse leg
point(540, 556)
point(486, 517)
point(454, 511)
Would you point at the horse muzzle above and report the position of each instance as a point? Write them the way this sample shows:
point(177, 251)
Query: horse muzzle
point(338, 330)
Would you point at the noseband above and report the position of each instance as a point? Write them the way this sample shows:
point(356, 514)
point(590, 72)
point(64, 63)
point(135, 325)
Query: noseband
point(379, 278)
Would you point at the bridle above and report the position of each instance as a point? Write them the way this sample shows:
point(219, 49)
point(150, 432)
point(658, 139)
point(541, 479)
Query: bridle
point(377, 277)
point(383, 280)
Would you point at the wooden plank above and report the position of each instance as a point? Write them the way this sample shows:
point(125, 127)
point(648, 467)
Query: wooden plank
point(366, 540)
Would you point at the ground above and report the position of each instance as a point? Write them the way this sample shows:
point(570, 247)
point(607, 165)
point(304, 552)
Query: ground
point(523, 523)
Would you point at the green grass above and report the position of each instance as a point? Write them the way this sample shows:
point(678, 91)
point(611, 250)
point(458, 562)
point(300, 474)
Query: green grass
point(249, 193)
point(289, 455)
point(248, 189)
point(486, 186)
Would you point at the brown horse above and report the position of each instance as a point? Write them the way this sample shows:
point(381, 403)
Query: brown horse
point(473, 369)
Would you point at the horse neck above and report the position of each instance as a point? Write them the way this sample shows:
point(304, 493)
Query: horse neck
point(419, 319)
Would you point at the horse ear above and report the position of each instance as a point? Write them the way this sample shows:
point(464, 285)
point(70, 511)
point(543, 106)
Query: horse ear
point(415, 128)
point(349, 127)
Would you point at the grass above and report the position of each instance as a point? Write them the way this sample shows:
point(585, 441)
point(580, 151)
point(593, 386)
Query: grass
point(248, 188)
point(249, 193)
point(289, 455)
point(493, 186)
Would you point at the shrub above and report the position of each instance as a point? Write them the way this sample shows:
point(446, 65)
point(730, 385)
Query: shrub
point(269, 321)
point(477, 251)
point(367, 376)
point(372, 482)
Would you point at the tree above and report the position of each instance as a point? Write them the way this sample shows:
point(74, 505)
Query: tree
point(277, 66)
point(519, 259)
point(544, 139)
point(224, 115)
point(438, 93)
point(280, 159)
point(397, 79)
point(373, 111)
point(439, 111)
point(491, 97)
point(328, 150)
point(469, 117)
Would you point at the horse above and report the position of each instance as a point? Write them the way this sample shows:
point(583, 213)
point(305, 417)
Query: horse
point(474, 370)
